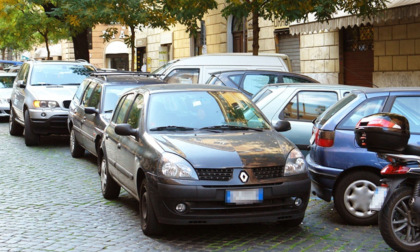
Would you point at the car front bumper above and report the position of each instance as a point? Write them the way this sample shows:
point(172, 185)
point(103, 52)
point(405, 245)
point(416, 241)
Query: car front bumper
point(49, 121)
point(206, 204)
point(323, 179)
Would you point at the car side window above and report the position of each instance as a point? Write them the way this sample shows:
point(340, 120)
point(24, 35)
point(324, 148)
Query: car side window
point(23, 73)
point(236, 78)
point(135, 112)
point(79, 91)
point(123, 109)
point(368, 107)
point(254, 82)
point(407, 106)
point(308, 105)
point(88, 94)
point(183, 76)
point(95, 98)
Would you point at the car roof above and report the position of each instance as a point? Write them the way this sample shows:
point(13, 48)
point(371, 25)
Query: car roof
point(81, 62)
point(183, 87)
point(390, 89)
point(321, 86)
point(113, 78)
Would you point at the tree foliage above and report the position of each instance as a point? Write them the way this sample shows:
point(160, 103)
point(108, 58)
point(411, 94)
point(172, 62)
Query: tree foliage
point(24, 23)
point(187, 12)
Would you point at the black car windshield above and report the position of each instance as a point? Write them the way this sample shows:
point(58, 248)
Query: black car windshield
point(206, 110)
point(59, 74)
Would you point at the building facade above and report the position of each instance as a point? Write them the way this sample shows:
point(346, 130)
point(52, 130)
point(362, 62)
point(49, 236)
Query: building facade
point(382, 51)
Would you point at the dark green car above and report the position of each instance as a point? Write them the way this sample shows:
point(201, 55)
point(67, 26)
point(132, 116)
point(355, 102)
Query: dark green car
point(200, 154)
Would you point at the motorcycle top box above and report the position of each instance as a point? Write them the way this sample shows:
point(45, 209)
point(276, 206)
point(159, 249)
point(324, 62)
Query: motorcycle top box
point(383, 132)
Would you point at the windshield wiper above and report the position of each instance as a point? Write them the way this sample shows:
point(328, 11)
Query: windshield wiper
point(171, 127)
point(230, 127)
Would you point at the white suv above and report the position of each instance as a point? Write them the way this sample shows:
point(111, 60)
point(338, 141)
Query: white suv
point(41, 96)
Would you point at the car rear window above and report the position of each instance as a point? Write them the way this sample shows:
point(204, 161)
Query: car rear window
point(334, 109)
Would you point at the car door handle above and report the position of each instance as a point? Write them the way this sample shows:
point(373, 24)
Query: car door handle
point(119, 146)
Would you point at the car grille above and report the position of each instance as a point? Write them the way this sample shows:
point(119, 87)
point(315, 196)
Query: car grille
point(215, 174)
point(66, 103)
point(268, 172)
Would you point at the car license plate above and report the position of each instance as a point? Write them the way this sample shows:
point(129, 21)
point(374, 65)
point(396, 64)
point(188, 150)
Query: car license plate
point(245, 196)
point(378, 198)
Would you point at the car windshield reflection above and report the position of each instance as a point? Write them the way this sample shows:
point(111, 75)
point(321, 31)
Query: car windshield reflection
point(203, 110)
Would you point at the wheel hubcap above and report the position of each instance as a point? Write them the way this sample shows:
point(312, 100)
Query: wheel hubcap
point(144, 206)
point(72, 141)
point(357, 198)
point(103, 175)
point(402, 226)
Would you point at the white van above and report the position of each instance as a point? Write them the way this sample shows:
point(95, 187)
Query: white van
point(198, 69)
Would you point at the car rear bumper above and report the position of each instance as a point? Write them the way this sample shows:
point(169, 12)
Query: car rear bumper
point(206, 205)
point(323, 179)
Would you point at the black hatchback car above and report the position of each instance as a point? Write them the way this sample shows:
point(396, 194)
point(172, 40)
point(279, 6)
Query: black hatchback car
point(250, 82)
point(92, 107)
point(200, 154)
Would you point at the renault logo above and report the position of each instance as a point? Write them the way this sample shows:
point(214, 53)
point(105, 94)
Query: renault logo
point(243, 176)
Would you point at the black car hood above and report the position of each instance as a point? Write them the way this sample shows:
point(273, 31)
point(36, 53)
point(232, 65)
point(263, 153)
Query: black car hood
point(228, 149)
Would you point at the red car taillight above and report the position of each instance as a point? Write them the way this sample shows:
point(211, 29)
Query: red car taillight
point(324, 138)
point(394, 169)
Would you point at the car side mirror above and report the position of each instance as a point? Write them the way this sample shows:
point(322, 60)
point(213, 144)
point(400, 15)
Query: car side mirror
point(125, 129)
point(91, 110)
point(21, 83)
point(282, 125)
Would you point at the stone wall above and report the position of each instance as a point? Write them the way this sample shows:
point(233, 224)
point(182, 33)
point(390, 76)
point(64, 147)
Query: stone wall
point(397, 54)
point(319, 56)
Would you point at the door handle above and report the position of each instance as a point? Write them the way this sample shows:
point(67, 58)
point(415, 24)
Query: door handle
point(119, 146)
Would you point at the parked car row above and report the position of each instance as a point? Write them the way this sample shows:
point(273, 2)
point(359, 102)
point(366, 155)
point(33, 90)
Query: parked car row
point(207, 154)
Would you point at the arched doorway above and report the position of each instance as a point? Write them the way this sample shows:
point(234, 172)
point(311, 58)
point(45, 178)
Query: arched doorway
point(239, 37)
point(116, 56)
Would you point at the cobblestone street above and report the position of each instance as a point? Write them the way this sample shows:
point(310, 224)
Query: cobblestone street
point(50, 201)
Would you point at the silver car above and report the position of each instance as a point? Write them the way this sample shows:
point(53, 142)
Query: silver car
point(299, 104)
point(6, 84)
point(42, 92)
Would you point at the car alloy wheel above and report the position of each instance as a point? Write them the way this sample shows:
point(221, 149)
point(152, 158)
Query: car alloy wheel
point(110, 189)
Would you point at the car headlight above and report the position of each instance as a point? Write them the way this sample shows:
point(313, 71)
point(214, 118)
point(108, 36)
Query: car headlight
point(295, 163)
point(173, 166)
point(3, 101)
point(46, 104)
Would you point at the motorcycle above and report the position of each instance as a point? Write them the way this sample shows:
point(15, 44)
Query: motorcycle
point(398, 197)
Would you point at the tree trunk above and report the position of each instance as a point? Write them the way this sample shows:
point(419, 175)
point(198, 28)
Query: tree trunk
point(255, 32)
point(133, 51)
point(81, 45)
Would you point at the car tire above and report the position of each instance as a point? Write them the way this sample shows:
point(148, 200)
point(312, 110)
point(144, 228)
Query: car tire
point(149, 224)
point(110, 188)
point(353, 195)
point(15, 129)
point(76, 149)
point(31, 139)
